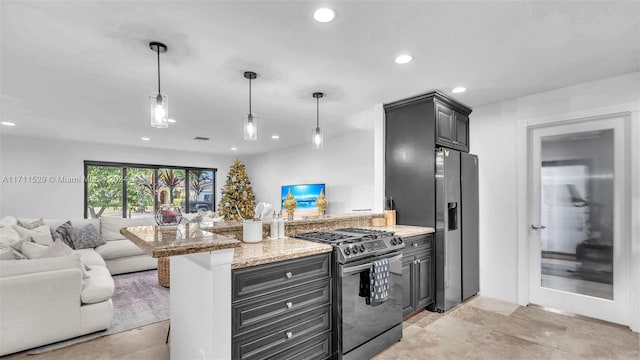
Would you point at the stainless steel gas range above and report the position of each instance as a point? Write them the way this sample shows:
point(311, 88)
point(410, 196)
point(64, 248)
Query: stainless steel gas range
point(367, 289)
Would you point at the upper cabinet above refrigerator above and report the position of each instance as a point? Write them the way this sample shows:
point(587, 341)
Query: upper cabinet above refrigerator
point(452, 127)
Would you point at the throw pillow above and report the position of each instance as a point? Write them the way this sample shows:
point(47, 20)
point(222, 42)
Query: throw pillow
point(33, 250)
point(8, 235)
point(63, 233)
point(8, 221)
point(30, 225)
point(57, 249)
point(87, 237)
point(40, 235)
point(17, 245)
point(6, 252)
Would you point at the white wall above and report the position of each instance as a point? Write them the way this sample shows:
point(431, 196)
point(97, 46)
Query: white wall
point(496, 136)
point(23, 156)
point(345, 165)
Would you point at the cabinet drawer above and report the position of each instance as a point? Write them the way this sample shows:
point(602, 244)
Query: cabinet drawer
point(418, 243)
point(316, 348)
point(285, 336)
point(265, 279)
point(262, 311)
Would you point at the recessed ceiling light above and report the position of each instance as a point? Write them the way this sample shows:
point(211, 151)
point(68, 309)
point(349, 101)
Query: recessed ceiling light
point(403, 59)
point(234, 149)
point(275, 136)
point(324, 15)
point(8, 123)
point(144, 138)
point(171, 121)
point(458, 90)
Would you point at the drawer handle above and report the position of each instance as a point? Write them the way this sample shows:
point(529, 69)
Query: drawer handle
point(414, 244)
point(289, 304)
point(289, 275)
point(289, 334)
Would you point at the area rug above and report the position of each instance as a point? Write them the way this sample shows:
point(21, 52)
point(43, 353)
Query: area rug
point(138, 300)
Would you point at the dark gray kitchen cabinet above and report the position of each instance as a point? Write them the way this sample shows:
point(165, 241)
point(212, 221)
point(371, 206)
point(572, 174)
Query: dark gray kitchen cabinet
point(418, 273)
point(413, 129)
point(283, 310)
point(452, 128)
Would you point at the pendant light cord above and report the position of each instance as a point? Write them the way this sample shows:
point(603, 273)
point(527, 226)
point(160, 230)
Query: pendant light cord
point(250, 116)
point(317, 113)
point(158, 51)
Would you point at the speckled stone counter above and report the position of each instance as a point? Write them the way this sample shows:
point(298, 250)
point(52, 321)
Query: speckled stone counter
point(179, 240)
point(403, 230)
point(327, 222)
point(268, 251)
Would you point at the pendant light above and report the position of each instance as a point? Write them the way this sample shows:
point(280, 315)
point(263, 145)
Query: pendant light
point(159, 103)
point(250, 120)
point(316, 134)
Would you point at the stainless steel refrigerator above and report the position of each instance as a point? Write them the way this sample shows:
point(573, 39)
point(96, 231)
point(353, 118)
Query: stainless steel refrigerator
point(456, 228)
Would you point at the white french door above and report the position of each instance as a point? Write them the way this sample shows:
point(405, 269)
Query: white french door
point(579, 249)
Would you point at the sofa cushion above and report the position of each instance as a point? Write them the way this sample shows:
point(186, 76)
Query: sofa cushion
point(110, 226)
point(90, 257)
point(40, 235)
point(98, 287)
point(118, 249)
point(21, 267)
point(85, 237)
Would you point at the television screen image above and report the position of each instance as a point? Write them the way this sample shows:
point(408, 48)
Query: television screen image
point(306, 196)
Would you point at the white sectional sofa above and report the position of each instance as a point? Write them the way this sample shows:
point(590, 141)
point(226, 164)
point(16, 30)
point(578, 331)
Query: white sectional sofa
point(45, 300)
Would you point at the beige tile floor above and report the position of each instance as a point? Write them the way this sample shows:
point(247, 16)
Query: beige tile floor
point(481, 328)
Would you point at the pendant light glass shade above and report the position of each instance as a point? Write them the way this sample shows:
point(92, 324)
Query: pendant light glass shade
point(250, 127)
point(317, 139)
point(159, 111)
point(159, 104)
point(250, 119)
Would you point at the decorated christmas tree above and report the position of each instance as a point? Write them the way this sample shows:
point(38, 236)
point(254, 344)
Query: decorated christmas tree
point(237, 195)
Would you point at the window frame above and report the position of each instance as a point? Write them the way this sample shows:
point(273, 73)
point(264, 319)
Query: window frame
point(124, 166)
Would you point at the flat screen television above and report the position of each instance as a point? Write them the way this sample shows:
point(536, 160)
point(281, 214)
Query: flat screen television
point(306, 196)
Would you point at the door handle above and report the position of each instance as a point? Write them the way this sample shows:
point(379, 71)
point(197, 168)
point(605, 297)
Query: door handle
point(538, 227)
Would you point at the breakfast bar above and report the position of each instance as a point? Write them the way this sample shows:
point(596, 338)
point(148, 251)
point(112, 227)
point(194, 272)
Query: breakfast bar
point(214, 275)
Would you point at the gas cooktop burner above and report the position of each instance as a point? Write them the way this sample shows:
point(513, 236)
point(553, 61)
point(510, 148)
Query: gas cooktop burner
point(353, 243)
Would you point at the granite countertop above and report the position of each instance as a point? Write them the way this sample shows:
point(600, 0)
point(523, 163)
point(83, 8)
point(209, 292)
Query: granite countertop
point(403, 230)
point(176, 240)
point(267, 251)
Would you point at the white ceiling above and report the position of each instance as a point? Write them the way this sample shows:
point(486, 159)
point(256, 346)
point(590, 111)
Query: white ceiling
point(83, 70)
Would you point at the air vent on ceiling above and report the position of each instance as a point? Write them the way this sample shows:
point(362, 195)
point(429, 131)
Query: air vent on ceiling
point(201, 138)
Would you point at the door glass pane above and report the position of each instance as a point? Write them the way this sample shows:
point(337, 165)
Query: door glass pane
point(104, 191)
point(200, 191)
point(171, 189)
point(577, 210)
point(140, 190)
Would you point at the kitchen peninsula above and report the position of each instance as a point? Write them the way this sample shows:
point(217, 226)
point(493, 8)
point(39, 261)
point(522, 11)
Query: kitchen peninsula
point(208, 270)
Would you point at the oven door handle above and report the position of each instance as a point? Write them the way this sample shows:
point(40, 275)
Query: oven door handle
point(350, 270)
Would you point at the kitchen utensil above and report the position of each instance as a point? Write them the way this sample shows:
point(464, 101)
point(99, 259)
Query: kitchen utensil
point(268, 209)
point(257, 212)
